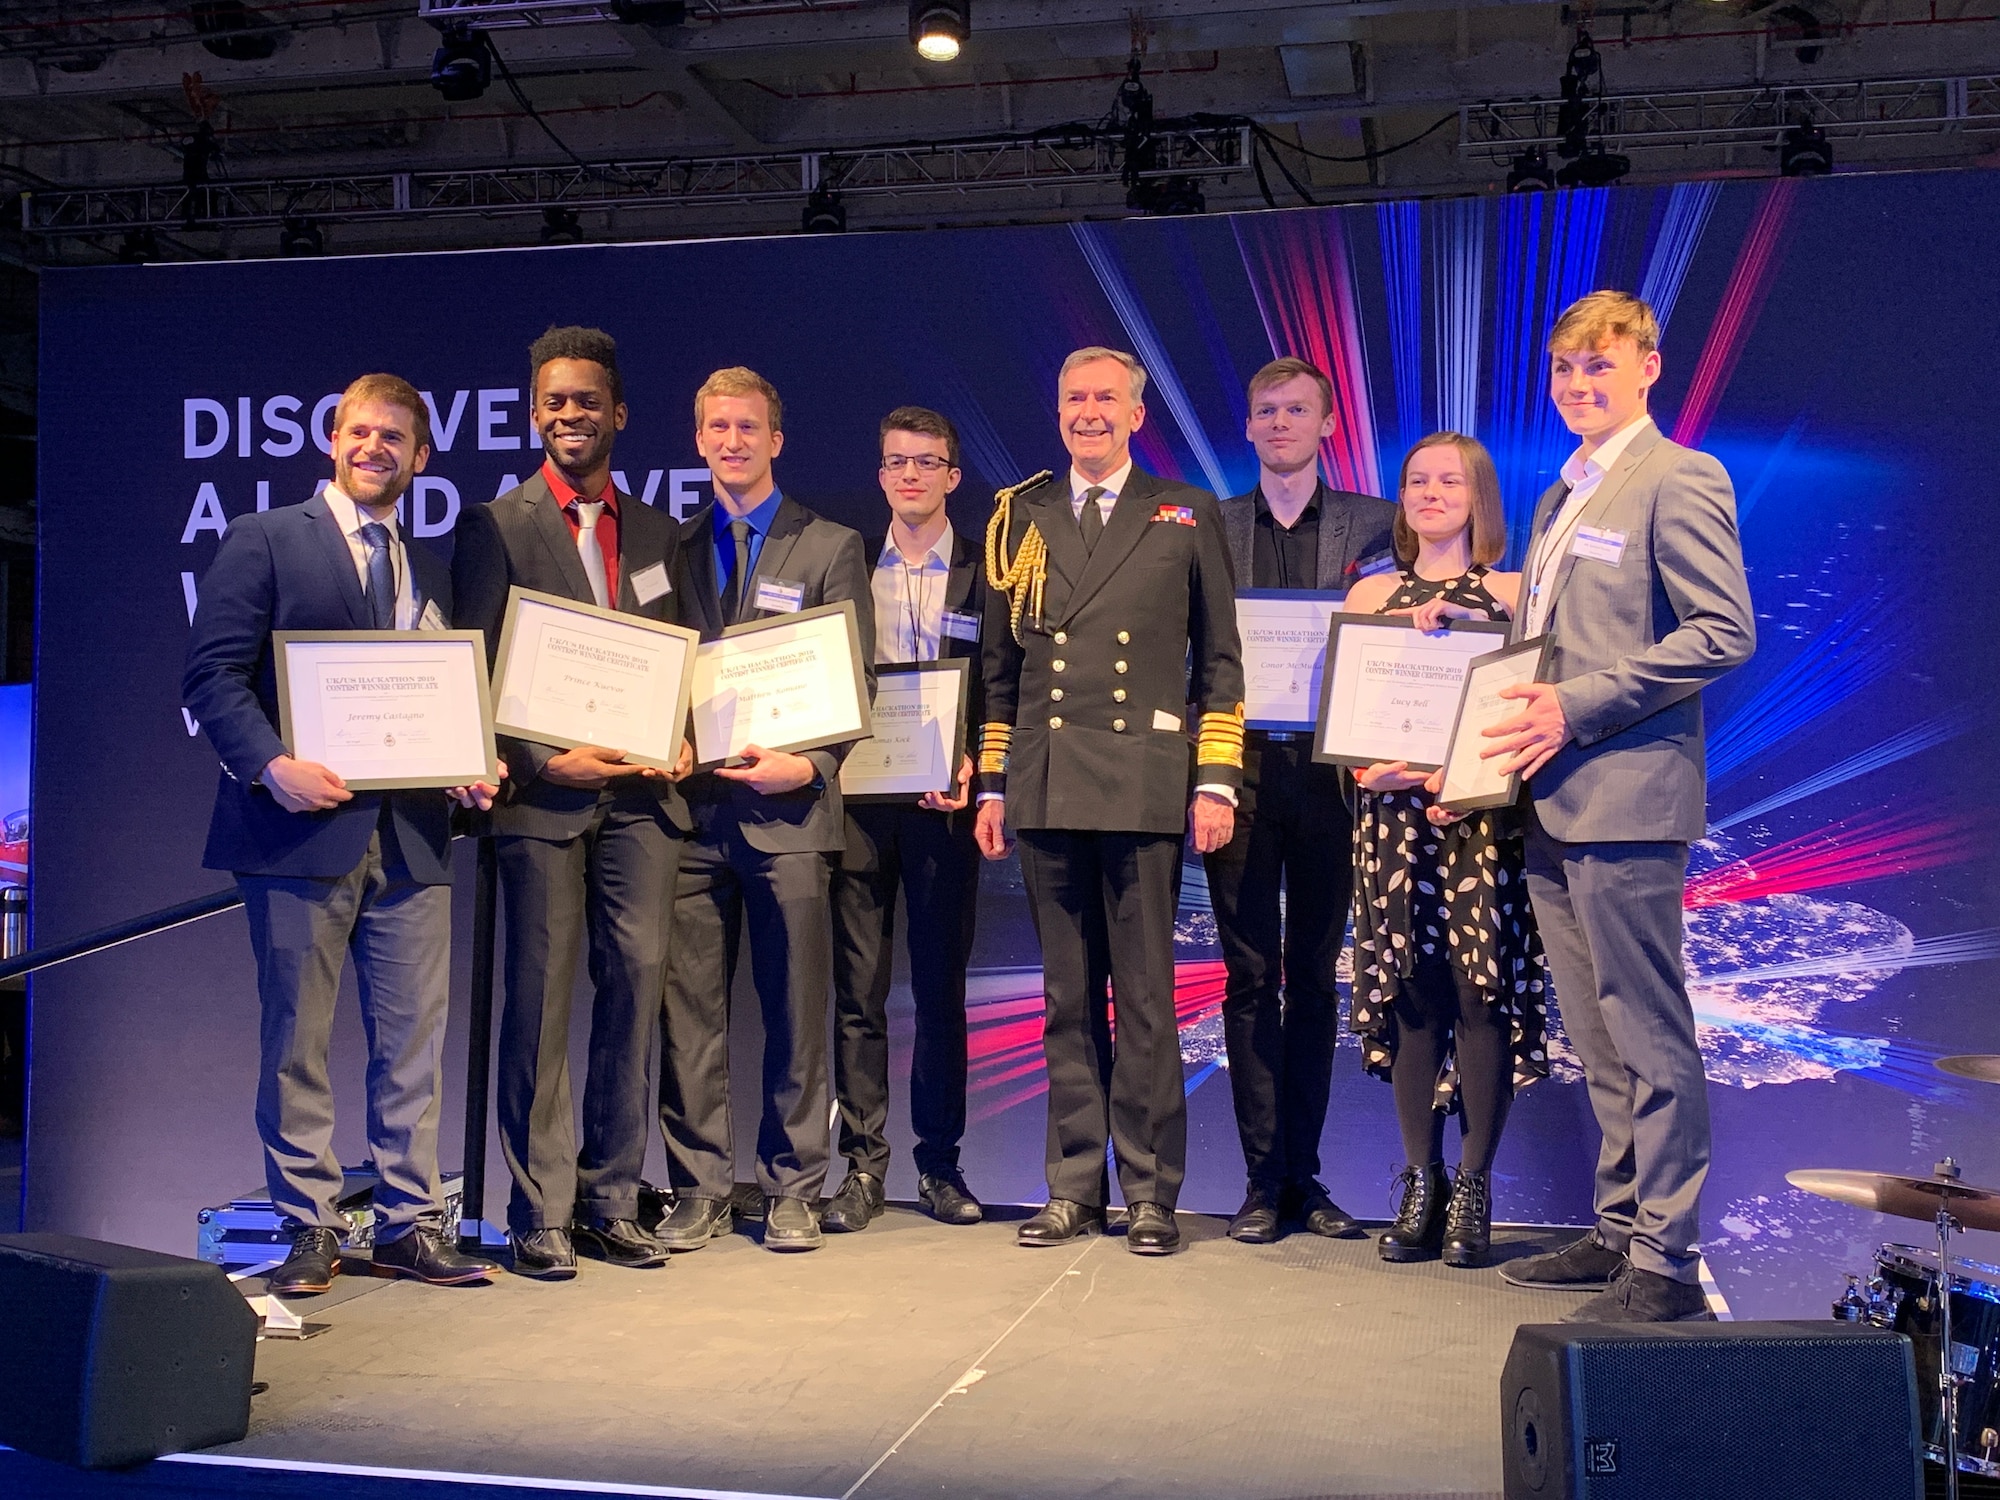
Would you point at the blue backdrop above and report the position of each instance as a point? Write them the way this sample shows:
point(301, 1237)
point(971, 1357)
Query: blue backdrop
point(1828, 340)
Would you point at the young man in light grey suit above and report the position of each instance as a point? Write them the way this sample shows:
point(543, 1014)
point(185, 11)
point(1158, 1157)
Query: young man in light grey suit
point(1635, 571)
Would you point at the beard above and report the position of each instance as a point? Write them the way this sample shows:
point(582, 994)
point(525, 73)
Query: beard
point(597, 451)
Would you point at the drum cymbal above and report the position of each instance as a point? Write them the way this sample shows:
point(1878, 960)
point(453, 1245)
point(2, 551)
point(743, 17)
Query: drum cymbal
point(1982, 1067)
point(1905, 1197)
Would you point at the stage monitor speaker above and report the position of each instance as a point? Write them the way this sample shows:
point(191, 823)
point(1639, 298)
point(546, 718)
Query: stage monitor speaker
point(1710, 1411)
point(111, 1356)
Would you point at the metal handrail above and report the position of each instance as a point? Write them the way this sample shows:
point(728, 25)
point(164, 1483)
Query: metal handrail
point(165, 918)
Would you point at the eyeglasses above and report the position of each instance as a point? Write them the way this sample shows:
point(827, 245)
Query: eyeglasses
point(925, 463)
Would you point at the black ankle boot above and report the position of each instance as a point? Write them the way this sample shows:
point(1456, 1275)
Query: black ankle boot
point(1468, 1222)
point(1418, 1233)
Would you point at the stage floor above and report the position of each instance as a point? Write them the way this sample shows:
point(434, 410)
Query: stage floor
point(920, 1360)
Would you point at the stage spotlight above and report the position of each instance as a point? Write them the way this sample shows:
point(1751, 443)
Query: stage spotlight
point(1530, 172)
point(462, 67)
point(561, 226)
point(232, 31)
point(138, 247)
point(650, 12)
point(1595, 168)
point(825, 213)
point(301, 236)
point(938, 28)
point(1157, 197)
point(1805, 152)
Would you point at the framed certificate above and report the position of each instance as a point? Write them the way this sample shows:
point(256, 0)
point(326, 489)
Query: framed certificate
point(1471, 783)
point(572, 674)
point(790, 682)
point(1390, 691)
point(919, 735)
point(1284, 651)
point(387, 710)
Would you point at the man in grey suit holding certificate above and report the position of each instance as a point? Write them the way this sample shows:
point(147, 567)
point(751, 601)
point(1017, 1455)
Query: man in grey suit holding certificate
point(1635, 571)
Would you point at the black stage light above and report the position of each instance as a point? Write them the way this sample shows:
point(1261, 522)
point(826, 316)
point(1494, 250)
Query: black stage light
point(1595, 168)
point(561, 226)
point(226, 30)
point(1805, 152)
point(301, 236)
point(650, 12)
point(825, 213)
point(1160, 196)
point(138, 247)
point(462, 67)
point(938, 28)
point(1530, 172)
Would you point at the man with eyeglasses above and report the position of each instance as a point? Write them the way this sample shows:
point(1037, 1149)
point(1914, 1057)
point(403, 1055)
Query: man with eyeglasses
point(929, 589)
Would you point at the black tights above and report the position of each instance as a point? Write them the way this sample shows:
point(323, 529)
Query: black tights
point(1432, 1005)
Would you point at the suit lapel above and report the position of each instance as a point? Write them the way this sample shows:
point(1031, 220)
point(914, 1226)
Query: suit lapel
point(339, 560)
point(786, 527)
point(965, 564)
point(1599, 503)
point(547, 518)
point(1334, 520)
point(1129, 519)
point(1049, 506)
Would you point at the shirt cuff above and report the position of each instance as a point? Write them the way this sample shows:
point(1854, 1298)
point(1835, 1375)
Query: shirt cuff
point(991, 797)
point(1226, 793)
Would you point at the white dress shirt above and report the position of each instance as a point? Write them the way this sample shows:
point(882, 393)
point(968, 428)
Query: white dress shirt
point(351, 520)
point(909, 601)
point(1583, 476)
point(1113, 486)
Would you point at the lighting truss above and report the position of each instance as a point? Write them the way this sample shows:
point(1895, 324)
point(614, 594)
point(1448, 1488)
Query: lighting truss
point(1077, 158)
point(1744, 116)
point(507, 15)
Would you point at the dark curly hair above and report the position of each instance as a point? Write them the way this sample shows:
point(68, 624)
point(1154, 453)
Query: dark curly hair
point(593, 344)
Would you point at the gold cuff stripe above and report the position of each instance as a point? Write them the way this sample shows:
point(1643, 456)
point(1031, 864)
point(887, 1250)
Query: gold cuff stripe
point(995, 740)
point(1221, 739)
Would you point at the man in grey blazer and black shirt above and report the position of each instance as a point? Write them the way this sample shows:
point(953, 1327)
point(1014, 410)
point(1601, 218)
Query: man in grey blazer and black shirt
point(1280, 1007)
point(761, 851)
point(1635, 570)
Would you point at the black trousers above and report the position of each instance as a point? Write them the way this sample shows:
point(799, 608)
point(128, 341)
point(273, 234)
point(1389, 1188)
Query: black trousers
point(611, 883)
point(1103, 903)
point(784, 898)
point(936, 866)
point(1280, 1008)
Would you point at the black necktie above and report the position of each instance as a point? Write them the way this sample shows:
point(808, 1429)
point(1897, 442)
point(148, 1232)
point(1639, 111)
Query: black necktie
point(1091, 517)
point(732, 597)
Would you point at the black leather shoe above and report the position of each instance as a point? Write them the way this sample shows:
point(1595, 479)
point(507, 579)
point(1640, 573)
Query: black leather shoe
point(694, 1222)
point(543, 1254)
point(1418, 1233)
point(854, 1206)
point(1583, 1265)
point(312, 1265)
point(1637, 1296)
point(1468, 1221)
point(947, 1197)
point(791, 1224)
point(1059, 1223)
point(423, 1255)
point(1150, 1230)
point(619, 1242)
point(1256, 1222)
point(1323, 1217)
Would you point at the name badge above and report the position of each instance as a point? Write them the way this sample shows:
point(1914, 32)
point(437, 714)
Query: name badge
point(432, 618)
point(650, 583)
point(1598, 545)
point(961, 627)
point(780, 597)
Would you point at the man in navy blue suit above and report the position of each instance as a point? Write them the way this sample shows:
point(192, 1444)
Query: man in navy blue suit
point(322, 868)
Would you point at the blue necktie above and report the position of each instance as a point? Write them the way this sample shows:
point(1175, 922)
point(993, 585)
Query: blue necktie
point(381, 576)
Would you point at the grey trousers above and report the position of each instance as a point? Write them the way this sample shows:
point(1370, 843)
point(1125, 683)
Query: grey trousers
point(1610, 915)
point(612, 884)
point(400, 935)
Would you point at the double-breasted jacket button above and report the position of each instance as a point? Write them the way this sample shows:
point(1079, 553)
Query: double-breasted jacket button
point(1118, 695)
point(1056, 694)
point(1118, 666)
point(1062, 637)
point(1124, 637)
point(1118, 726)
point(1057, 665)
point(1055, 723)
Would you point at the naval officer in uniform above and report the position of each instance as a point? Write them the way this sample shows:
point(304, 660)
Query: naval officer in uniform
point(1111, 617)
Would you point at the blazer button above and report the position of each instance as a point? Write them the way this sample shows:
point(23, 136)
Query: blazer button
point(1056, 693)
point(1118, 695)
point(1124, 637)
point(1057, 665)
point(1118, 666)
point(1055, 723)
point(1062, 637)
point(1118, 726)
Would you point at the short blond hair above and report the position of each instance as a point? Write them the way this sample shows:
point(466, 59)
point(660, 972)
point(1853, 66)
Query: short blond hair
point(389, 390)
point(1591, 322)
point(1096, 352)
point(1278, 371)
point(1485, 516)
point(739, 380)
